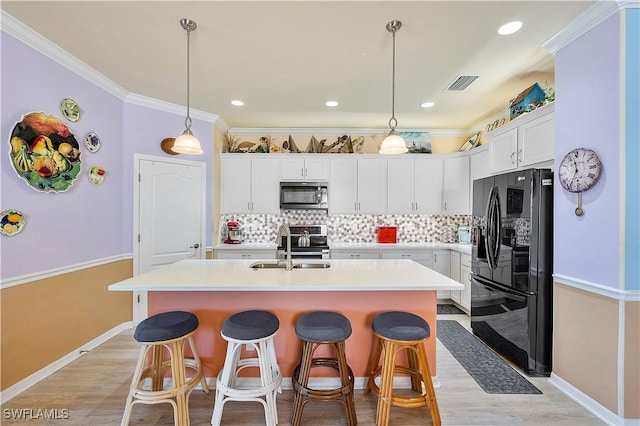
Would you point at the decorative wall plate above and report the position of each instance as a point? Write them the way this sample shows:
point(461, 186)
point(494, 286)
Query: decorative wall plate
point(44, 152)
point(166, 144)
point(11, 222)
point(70, 109)
point(92, 141)
point(96, 175)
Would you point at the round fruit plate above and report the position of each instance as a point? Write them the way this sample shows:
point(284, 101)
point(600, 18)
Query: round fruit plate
point(44, 152)
point(11, 222)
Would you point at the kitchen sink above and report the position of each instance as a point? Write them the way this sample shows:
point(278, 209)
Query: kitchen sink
point(311, 266)
point(263, 265)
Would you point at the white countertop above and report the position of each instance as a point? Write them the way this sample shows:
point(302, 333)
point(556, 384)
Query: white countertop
point(343, 275)
point(462, 248)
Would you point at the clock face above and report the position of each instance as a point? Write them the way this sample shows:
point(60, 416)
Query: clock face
point(579, 170)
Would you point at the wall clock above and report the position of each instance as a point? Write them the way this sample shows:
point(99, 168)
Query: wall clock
point(579, 170)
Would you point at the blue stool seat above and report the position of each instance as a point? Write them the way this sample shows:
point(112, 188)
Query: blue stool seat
point(250, 325)
point(166, 326)
point(323, 326)
point(397, 325)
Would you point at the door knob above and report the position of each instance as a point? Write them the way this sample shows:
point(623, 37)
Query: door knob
point(196, 245)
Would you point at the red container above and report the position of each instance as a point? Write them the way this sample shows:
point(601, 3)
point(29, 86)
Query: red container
point(387, 234)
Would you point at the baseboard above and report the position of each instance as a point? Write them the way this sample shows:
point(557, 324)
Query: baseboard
point(590, 404)
point(26, 383)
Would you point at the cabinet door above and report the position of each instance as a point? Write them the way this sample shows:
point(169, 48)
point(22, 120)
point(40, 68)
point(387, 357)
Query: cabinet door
point(536, 140)
point(456, 186)
point(343, 186)
point(235, 185)
point(441, 262)
point(316, 169)
point(372, 186)
point(465, 298)
point(428, 179)
point(400, 184)
point(292, 169)
point(502, 151)
point(265, 186)
point(455, 275)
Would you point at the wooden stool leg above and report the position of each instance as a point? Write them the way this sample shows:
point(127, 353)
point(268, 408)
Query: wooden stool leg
point(386, 386)
point(428, 383)
point(374, 361)
point(303, 371)
point(345, 380)
point(414, 364)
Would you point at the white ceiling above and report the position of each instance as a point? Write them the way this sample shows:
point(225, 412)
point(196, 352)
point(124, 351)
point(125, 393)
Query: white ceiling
point(285, 59)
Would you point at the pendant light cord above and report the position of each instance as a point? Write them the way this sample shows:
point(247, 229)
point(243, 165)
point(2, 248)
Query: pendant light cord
point(393, 27)
point(187, 120)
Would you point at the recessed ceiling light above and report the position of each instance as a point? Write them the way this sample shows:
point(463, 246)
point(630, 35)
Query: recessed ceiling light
point(331, 104)
point(427, 104)
point(237, 102)
point(510, 28)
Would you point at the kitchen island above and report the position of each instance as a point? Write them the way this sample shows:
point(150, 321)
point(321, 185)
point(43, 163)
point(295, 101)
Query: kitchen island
point(215, 289)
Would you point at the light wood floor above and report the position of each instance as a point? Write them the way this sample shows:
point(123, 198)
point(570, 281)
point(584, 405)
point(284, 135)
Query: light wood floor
point(93, 390)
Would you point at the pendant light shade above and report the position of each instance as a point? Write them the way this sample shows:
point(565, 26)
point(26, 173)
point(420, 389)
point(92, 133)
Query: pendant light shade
point(187, 143)
point(393, 144)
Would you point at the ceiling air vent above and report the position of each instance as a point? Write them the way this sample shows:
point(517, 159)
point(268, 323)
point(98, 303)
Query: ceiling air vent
point(461, 82)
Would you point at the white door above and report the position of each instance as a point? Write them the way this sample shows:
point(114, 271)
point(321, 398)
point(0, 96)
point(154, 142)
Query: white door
point(169, 211)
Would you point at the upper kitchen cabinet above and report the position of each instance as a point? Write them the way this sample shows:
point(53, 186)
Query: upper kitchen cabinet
point(301, 168)
point(414, 186)
point(358, 186)
point(249, 184)
point(455, 189)
point(528, 140)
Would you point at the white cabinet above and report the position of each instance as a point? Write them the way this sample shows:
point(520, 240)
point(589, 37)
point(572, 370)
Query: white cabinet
point(526, 141)
point(465, 278)
point(304, 168)
point(355, 254)
point(249, 185)
point(456, 184)
point(480, 163)
point(441, 262)
point(358, 186)
point(455, 275)
point(244, 254)
point(414, 186)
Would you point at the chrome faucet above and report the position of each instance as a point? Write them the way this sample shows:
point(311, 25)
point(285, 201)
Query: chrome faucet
point(285, 228)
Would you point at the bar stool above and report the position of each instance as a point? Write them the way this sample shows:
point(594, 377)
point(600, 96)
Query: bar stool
point(254, 329)
point(170, 331)
point(317, 329)
point(396, 332)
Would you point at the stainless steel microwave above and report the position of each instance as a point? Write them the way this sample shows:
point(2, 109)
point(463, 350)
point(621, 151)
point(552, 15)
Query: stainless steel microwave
point(304, 195)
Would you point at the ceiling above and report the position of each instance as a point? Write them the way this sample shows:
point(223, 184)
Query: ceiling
point(286, 59)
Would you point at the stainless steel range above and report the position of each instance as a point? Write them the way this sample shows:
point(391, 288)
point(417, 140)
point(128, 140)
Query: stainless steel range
point(307, 242)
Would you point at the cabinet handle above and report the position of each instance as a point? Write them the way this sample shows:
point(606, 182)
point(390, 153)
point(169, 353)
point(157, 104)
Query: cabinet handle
point(435, 257)
point(358, 205)
point(513, 155)
point(445, 206)
point(406, 255)
point(355, 255)
point(302, 172)
point(249, 205)
point(520, 155)
point(246, 256)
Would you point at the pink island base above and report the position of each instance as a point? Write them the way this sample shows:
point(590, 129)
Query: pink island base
point(359, 306)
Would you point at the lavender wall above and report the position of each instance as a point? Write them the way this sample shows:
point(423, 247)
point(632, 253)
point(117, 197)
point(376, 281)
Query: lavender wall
point(144, 128)
point(587, 115)
point(77, 225)
point(86, 222)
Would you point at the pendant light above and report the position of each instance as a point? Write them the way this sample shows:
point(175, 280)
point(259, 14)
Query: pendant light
point(393, 143)
point(186, 143)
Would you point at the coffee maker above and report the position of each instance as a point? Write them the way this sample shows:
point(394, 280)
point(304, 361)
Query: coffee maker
point(234, 233)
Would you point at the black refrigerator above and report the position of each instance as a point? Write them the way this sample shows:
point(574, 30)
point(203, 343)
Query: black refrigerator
point(512, 265)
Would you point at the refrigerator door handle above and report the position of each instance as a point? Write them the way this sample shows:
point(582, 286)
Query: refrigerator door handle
point(498, 224)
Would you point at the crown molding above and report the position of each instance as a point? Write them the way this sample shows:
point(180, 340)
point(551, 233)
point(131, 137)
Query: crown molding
point(339, 131)
point(17, 29)
point(145, 101)
point(585, 22)
point(26, 35)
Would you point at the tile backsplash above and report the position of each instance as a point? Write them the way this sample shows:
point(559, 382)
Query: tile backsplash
point(262, 228)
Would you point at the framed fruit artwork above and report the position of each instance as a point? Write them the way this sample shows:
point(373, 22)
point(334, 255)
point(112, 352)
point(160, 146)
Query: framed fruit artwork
point(44, 152)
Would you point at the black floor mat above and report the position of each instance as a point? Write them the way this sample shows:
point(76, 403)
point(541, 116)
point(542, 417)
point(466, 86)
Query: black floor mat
point(446, 309)
point(490, 371)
